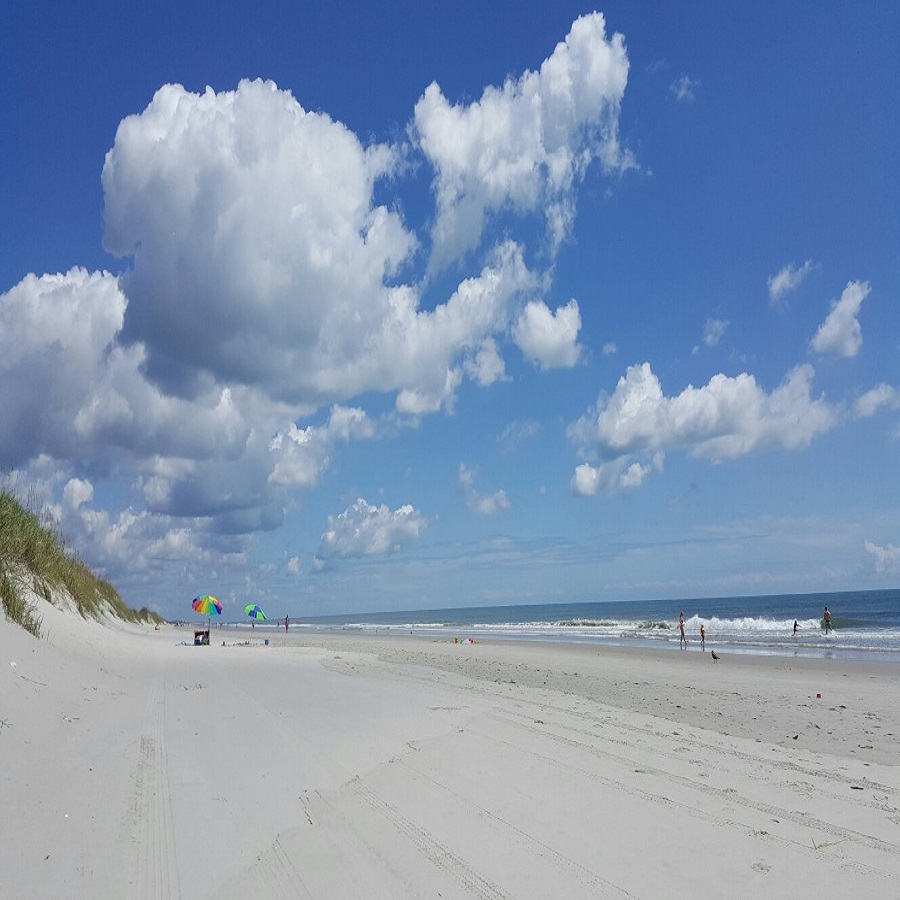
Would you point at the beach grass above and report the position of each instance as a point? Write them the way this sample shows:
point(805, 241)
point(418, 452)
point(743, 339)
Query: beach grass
point(34, 554)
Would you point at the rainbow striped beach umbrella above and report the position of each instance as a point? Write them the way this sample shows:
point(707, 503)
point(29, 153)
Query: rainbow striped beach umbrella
point(207, 605)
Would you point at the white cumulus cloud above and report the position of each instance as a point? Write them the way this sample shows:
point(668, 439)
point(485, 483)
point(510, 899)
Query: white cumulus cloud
point(271, 285)
point(787, 280)
point(728, 418)
point(879, 397)
point(525, 145)
point(366, 530)
point(303, 454)
point(614, 476)
point(55, 334)
point(841, 334)
point(548, 339)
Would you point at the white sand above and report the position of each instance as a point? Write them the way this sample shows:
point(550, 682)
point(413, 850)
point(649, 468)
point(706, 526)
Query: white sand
point(343, 766)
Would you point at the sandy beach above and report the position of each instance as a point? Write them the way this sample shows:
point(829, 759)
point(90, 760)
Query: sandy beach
point(135, 765)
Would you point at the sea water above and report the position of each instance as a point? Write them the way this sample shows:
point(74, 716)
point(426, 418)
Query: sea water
point(866, 624)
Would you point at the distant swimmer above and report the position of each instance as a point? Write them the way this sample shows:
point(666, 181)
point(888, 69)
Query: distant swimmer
point(827, 619)
point(796, 626)
point(682, 644)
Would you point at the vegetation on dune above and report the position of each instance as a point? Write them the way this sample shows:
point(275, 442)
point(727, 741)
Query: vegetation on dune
point(33, 554)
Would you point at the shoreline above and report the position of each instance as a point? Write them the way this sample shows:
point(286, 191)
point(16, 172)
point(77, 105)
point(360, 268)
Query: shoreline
point(806, 645)
point(399, 766)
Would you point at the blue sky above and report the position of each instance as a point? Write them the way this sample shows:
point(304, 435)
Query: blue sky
point(364, 307)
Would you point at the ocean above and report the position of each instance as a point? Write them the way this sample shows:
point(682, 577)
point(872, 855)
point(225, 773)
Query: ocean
point(866, 624)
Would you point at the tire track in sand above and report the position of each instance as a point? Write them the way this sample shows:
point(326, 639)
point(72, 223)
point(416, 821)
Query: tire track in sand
point(835, 830)
point(154, 868)
point(440, 855)
point(273, 874)
point(350, 835)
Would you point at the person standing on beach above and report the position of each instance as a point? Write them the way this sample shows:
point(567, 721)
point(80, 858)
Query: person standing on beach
point(682, 644)
point(827, 619)
point(796, 626)
point(287, 622)
point(703, 638)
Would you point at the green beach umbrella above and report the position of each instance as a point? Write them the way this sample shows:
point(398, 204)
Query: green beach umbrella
point(254, 612)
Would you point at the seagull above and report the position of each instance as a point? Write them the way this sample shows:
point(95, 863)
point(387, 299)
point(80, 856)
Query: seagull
point(715, 655)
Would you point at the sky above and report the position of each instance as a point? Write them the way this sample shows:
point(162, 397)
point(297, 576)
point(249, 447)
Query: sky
point(361, 307)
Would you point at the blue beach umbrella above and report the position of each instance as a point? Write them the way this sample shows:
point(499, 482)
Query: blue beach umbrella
point(254, 612)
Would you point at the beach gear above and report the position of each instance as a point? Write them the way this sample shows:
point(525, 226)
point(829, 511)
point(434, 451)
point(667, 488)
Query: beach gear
point(206, 605)
point(254, 612)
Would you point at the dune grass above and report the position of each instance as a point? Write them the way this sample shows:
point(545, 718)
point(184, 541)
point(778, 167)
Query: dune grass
point(33, 554)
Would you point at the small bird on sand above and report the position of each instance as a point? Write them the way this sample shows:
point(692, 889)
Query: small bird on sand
point(715, 655)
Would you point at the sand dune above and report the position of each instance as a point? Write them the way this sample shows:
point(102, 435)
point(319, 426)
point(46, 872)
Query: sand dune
point(354, 766)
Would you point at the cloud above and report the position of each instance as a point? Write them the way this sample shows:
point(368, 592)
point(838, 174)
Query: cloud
point(487, 366)
point(613, 477)
point(788, 280)
point(302, 454)
point(77, 492)
point(526, 145)
point(887, 559)
point(713, 332)
point(271, 286)
point(841, 334)
point(883, 395)
point(610, 348)
point(549, 339)
point(481, 504)
point(141, 543)
point(517, 433)
point(253, 221)
point(366, 530)
point(466, 476)
point(72, 391)
point(228, 203)
point(430, 351)
point(55, 334)
point(725, 419)
point(488, 504)
point(684, 89)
